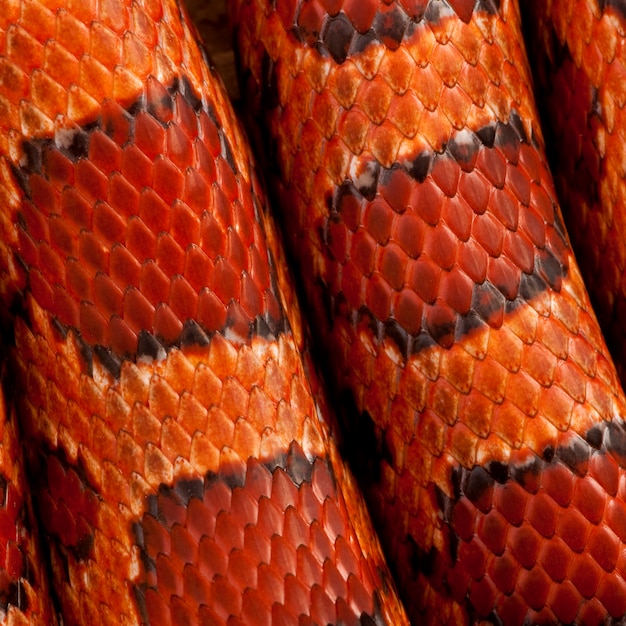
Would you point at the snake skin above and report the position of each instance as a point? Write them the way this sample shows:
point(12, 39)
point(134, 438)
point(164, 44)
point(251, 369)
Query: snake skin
point(176, 437)
point(484, 414)
point(579, 58)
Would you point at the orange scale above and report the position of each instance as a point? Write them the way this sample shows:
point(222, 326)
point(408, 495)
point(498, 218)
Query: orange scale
point(242, 571)
point(456, 289)
point(24, 47)
point(505, 207)
point(477, 411)
point(166, 324)
point(141, 242)
point(525, 543)
point(612, 594)
point(124, 268)
point(257, 546)
point(518, 183)
point(311, 19)
point(170, 583)
point(187, 121)
point(492, 164)
point(425, 278)
point(585, 574)
point(36, 222)
point(489, 233)
point(138, 311)
point(426, 201)
point(122, 196)
point(482, 595)
point(458, 216)
point(393, 264)
point(108, 225)
point(48, 95)
point(92, 252)
point(519, 249)
point(198, 268)
point(505, 276)
point(179, 147)
point(297, 598)
point(168, 180)
point(62, 66)
point(604, 469)
point(78, 280)
point(96, 79)
point(17, 88)
point(39, 18)
point(283, 556)
point(197, 590)
point(440, 245)
point(473, 259)
point(504, 571)
point(472, 558)
point(244, 506)
point(378, 294)
point(604, 547)
point(116, 15)
point(440, 321)
point(227, 180)
point(542, 513)
point(362, 251)
point(236, 251)
point(197, 191)
point(270, 519)
point(183, 299)
point(542, 203)
point(407, 309)
point(333, 583)
point(184, 225)
point(322, 609)
point(409, 231)
point(90, 182)
point(534, 586)
point(589, 498)
point(137, 168)
point(169, 255)
point(226, 282)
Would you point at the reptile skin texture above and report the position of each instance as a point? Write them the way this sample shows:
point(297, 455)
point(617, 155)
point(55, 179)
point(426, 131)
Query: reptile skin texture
point(484, 415)
point(176, 438)
point(578, 49)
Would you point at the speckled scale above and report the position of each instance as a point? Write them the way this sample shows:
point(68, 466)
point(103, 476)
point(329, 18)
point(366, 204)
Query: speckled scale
point(448, 306)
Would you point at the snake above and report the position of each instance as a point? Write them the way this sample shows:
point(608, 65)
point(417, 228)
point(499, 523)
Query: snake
point(408, 166)
point(181, 442)
point(176, 439)
point(577, 50)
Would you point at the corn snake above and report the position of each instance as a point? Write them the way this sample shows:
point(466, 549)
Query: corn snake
point(467, 407)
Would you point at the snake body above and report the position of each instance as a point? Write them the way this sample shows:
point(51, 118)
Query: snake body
point(579, 57)
point(418, 206)
point(179, 446)
point(176, 440)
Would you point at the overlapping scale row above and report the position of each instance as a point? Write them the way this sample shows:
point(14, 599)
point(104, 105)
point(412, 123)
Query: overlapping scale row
point(580, 71)
point(179, 454)
point(453, 322)
point(24, 585)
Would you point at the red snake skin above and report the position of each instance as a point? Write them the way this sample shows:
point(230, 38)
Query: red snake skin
point(579, 58)
point(484, 415)
point(177, 442)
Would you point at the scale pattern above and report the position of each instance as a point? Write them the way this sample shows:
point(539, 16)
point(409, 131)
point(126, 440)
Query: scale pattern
point(24, 590)
point(177, 438)
point(475, 386)
point(579, 53)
